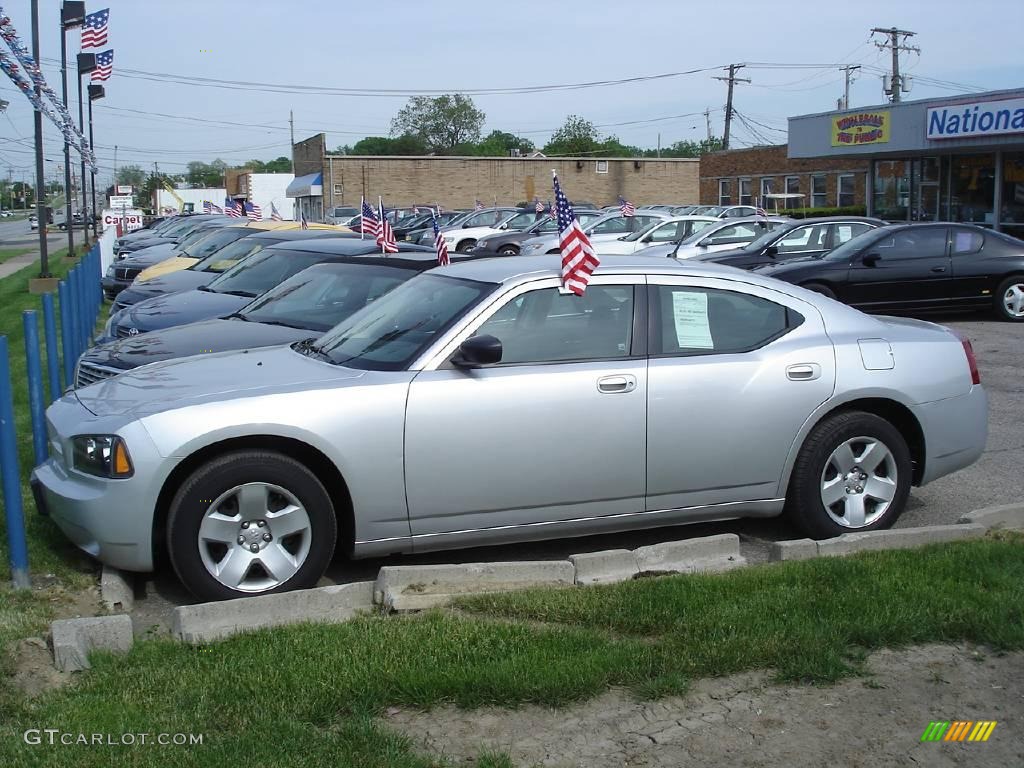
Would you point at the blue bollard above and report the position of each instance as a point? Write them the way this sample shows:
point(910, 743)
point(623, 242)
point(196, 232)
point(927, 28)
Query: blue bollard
point(66, 347)
point(83, 310)
point(11, 477)
point(73, 314)
point(35, 384)
point(52, 356)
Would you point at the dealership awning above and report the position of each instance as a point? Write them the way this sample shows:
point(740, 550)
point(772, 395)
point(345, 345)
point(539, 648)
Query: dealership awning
point(311, 185)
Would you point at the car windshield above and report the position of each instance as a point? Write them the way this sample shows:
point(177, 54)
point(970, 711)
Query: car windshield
point(769, 237)
point(192, 238)
point(632, 237)
point(211, 241)
point(322, 296)
point(414, 222)
point(854, 244)
point(520, 220)
point(263, 271)
point(391, 332)
point(229, 255)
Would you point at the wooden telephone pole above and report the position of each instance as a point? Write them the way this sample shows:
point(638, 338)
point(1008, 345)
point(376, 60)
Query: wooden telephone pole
point(731, 80)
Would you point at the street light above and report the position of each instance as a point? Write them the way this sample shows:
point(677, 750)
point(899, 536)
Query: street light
point(72, 14)
point(96, 92)
point(86, 64)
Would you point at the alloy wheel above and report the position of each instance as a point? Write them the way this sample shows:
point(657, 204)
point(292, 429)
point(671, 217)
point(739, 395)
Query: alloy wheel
point(1013, 300)
point(859, 482)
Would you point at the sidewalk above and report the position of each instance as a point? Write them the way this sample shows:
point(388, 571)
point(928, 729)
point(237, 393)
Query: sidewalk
point(12, 265)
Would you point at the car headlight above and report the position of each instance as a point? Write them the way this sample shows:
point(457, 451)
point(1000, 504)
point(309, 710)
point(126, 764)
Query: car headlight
point(101, 455)
point(110, 271)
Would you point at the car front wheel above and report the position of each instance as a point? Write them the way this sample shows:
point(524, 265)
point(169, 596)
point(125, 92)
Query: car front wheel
point(248, 523)
point(508, 250)
point(465, 245)
point(1010, 299)
point(852, 474)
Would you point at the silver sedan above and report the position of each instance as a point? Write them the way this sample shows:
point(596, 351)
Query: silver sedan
point(480, 404)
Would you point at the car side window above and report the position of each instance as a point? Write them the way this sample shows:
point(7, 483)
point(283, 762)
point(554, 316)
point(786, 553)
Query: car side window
point(848, 231)
point(809, 238)
point(912, 243)
point(738, 233)
point(546, 325)
point(704, 321)
point(666, 233)
point(966, 241)
point(612, 226)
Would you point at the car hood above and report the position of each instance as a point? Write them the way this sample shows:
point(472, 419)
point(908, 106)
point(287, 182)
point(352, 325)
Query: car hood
point(173, 282)
point(148, 255)
point(202, 338)
point(137, 245)
point(180, 308)
point(506, 237)
point(208, 378)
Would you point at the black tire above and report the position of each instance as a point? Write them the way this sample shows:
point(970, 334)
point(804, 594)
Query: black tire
point(465, 245)
point(804, 503)
point(508, 250)
point(999, 305)
point(824, 290)
point(220, 475)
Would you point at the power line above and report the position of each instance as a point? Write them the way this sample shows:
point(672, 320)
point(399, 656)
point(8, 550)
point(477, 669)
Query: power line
point(896, 83)
point(732, 80)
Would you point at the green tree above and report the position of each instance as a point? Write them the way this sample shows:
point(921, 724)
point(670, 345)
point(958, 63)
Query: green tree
point(279, 165)
point(442, 122)
point(382, 145)
point(576, 136)
point(131, 175)
point(499, 143)
point(200, 174)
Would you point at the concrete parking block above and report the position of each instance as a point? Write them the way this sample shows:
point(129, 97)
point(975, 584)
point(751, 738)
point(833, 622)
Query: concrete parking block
point(1003, 516)
point(73, 639)
point(796, 549)
point(206, 622)
point(416, 587)
point(902, 538)
point(607, 567)
point(117, 590)
point(709, 553)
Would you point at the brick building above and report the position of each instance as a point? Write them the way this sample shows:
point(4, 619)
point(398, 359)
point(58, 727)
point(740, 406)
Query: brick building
point(743, 176)
point(324, 180)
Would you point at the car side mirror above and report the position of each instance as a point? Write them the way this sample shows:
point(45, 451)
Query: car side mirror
point(772, 251)
point(870, 259)
point(478, 350)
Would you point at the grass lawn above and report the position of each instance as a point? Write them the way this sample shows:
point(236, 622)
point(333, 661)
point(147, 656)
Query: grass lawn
point(312, 692)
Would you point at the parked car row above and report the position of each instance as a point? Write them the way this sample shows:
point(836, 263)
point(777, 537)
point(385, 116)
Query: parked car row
point(291, 394)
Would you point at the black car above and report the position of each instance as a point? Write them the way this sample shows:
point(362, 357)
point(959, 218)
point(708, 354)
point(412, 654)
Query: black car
point(507, 243)
point(793, 240)
point(216, 253)
point(245, 281)
point(305, 306)
point(907, 267)
point(177, 229)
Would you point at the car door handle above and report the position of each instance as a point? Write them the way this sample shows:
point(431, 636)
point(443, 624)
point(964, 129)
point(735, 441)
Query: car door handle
point(803, 372)
point(938, 269)
point(613, 384)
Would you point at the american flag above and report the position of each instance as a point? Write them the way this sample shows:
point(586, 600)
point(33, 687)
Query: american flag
point(275, 215)
point(253, 212)
point(94, 29)
point(578, 258)
point(368, 224)
point(759, 211)
point(385, 235)
point(538, 206)
point(439, 244)
point(626, 207)
point(231, 208)
point(303, 224)
point(551, 209)
point(104, 66)
point(479, 206)
point(209, 207)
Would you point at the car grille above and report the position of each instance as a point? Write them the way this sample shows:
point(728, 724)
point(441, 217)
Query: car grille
point(123, 332)
point(90, 373)
point(126, 273)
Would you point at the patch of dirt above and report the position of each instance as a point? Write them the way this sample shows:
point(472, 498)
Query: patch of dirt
point(745, 720)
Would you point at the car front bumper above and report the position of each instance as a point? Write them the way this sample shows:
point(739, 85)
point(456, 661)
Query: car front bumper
point(955, 432)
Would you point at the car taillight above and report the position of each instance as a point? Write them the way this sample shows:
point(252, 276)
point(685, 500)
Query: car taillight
point(972, 362)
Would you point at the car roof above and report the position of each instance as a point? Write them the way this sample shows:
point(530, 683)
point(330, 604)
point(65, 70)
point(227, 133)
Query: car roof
point(279, 235)
point(827, 219)
point(354, 246)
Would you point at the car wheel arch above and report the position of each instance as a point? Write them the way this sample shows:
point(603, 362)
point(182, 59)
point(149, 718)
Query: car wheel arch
point(892, 410)
point(311, 457)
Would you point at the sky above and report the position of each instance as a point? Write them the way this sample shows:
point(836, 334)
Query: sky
point(390, 46)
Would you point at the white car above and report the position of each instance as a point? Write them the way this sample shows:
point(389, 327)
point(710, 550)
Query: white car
point(673, 230)
point(487, 221)
point(723, 235)
point(609, 227)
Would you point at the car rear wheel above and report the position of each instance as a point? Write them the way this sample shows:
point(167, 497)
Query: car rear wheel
point(250, 522)
point(852, 474)
point(465, 245)
point(1009, 304)
point(508, 250)
point(824, 290)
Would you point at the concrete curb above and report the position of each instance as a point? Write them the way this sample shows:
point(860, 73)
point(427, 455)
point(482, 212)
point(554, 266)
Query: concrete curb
point(117, 590)
point(872, 541)
point(415, 587)
point(607, 567)
point(73, 639)
point(206, 622)
point(709, 553)
point(1003, 516)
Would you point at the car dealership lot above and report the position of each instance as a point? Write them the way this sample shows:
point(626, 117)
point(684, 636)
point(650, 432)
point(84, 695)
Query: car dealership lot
point(993, 479)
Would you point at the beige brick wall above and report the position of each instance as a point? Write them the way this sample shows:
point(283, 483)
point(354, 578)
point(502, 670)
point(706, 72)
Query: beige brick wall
point(457, 182)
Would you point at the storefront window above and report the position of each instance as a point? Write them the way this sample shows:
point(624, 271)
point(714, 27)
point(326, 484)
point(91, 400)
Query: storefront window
point(819, 190)
point(926, 181)
point(846, 190)
point(766, 189)
point(972, 188)
point(724, 195)
point(892, 189)
point(1012, 212)
point(745, 198)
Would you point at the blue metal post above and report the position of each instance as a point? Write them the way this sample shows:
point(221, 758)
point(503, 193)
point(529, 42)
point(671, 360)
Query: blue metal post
point(83, 309)
point(73, 313)
point(67, 349)
point(11, 477)
point(35, 384)
point(52, 356)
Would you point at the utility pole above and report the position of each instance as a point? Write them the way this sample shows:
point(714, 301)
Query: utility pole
point(896, 81)
point(707, 119)
point(848, 70)
point(291, 128)
point(732, 80)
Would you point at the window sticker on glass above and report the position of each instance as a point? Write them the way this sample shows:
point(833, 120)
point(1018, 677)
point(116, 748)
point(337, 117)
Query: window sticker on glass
point(845, 233)
point(966, 242)
point(690, 312)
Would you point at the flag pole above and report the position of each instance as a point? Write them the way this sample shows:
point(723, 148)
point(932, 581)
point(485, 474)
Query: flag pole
point(380, 212)
point(362, 202)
